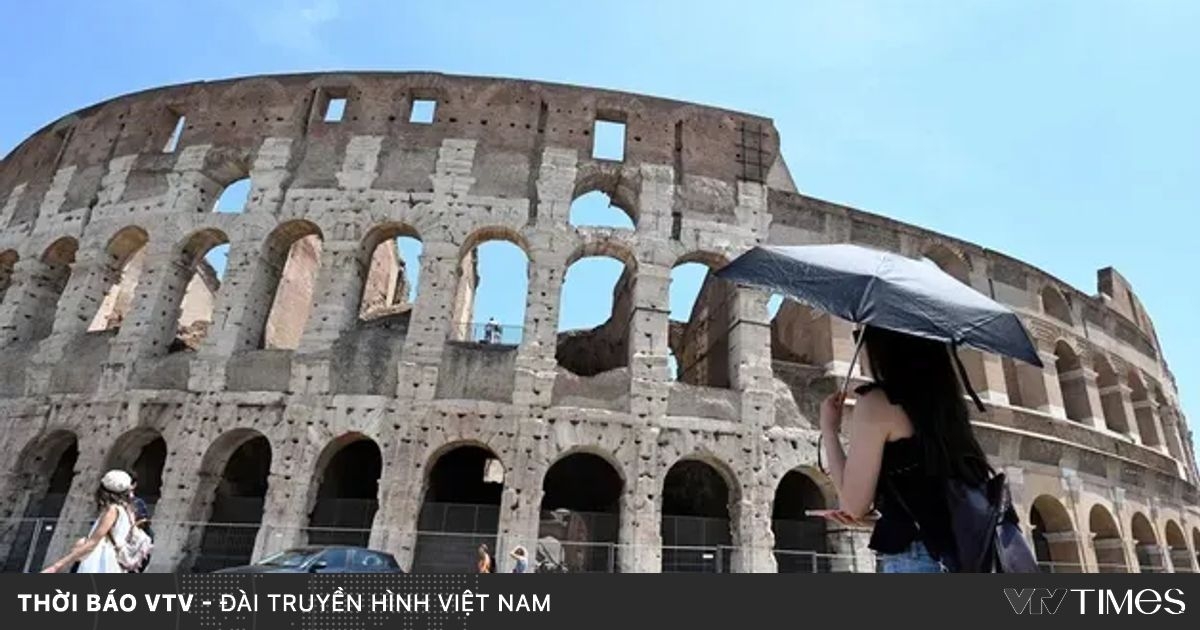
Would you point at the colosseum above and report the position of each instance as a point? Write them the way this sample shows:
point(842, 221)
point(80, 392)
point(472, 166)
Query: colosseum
point(292, 393)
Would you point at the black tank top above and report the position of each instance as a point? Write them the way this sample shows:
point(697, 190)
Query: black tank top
point(911, 502)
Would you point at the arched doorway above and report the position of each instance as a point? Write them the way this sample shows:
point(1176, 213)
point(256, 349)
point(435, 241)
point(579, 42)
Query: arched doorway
point(1149, 554)
point(696, 534)
point(1054, 537)
point(460, 511)
point(46, 471)
point(799, 539)
point(580, 515)
point(348, 493)
point(143, 453)
point(237, 466)
point(1181, 557)
point(1106, 541)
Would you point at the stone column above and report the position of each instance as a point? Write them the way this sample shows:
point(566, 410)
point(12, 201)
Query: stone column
point(850, 549)
point(520, 508)
point(750, 356)
point(152, 321)
point(400, 495)
point(650, 380)
point(1052, 403)
point(536, 365)
point(285, 510)
point(641, 512)
point(336, 299)
point(986, 372)
point(429, 322)
point(1080, 386)
point(754, 543)
point(25, 313)
point(1147, 418)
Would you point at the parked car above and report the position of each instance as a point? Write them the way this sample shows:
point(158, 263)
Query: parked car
point(323, 560)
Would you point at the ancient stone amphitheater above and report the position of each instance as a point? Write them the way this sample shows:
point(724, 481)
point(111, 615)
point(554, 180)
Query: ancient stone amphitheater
point(292, 393)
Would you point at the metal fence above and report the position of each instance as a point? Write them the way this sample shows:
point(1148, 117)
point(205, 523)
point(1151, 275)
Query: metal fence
point(24, 543)
point(487, 333)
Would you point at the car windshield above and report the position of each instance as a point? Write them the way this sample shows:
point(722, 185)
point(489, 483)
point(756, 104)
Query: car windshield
point(290, 558)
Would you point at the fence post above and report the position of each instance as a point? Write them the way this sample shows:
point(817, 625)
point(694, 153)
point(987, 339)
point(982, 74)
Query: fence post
point(31, 550)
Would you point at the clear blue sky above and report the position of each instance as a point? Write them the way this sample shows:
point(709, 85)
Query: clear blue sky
point(1065, 133)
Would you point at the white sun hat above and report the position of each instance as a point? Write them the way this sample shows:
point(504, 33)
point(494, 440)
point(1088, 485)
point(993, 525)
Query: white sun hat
point(116, 481)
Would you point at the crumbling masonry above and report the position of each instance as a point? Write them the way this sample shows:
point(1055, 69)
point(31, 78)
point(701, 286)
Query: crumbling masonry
point(297, 395)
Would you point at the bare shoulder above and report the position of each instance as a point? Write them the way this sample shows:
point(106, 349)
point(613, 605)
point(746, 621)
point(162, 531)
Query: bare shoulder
point(875, 410)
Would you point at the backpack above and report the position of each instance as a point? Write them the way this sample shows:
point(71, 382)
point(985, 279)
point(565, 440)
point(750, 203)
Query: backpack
point(132, 554)
point(985, 527)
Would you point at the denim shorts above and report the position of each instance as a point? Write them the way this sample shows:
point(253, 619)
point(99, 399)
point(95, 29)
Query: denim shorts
point(915, 559)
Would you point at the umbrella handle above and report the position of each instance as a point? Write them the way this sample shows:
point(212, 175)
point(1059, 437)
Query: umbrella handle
point(845, 389)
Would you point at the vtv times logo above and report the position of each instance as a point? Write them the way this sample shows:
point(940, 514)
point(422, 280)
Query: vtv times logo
point(1098, 601)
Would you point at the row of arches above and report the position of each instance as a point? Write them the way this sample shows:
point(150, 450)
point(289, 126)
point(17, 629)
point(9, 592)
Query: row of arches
point(583, 498)
point(492, 285)
point(1056, 541)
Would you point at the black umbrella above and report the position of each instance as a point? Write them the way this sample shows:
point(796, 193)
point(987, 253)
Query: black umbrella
point(887, 290)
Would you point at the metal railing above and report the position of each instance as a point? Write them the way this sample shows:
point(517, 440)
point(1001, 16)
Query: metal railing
point(486, 333)
point(24, 544)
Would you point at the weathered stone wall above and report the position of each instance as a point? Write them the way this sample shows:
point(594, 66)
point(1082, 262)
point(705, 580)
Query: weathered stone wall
point(286, 357)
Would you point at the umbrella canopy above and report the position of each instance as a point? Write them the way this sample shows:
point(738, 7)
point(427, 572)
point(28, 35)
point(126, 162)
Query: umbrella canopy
point(886, 290)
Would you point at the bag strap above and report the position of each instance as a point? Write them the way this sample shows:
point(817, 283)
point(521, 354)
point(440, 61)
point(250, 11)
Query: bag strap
point(899, 499)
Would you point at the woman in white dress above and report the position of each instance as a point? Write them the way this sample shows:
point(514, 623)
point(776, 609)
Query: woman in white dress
point(98, 553)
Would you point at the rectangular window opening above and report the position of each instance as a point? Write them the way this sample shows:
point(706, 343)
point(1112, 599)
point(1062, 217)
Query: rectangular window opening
point(423, 111)
point(608, 140)
point(335, 109)
point(176, 134)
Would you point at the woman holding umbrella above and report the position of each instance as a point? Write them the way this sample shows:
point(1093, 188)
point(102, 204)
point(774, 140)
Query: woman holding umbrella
point(910, 432)
point(912, 453)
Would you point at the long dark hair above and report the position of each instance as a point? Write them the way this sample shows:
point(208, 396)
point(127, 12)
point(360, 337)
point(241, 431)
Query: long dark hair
point(106, 497)
point(918, 375)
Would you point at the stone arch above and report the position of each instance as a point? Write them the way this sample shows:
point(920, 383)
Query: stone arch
point(611, 181)
point(1106, 541)
point(583, 493)
point(143, 453)
point(228, 501)
point(345, 495)
point(698, 332)
point(590, 346)
point(42, 478)
point(1146, 547)
point(124, 259)
point(800, 540)
point(190, 288)
point(460, 507)
point(1073, 382)
point(45, 290)
point(700, 500)
point(281, 298)
point(1181, 556)
point(1143, 409)
point(1112, 398)
point(1055, 305)
point(483, 255)
point(1055, 540)
point(385, 287)
point(8, 260)
point(596, 208)
point(950, 261)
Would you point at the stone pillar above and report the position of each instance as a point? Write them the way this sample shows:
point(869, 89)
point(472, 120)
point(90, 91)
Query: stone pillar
point(1052, 402)
point(152, 321)
point(650, 380)
point(400, 495)
point(1149, 425)
point(754, 540)
point(33, 291)
point(986, 372)
point(285, 510)
point(429, 322)
point(91, 276)
point(1080, 387)
point(536, 365)
point(520, 507)
point(336, 300)
point(750, 356)
point(641, 511)
point(850, 550)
